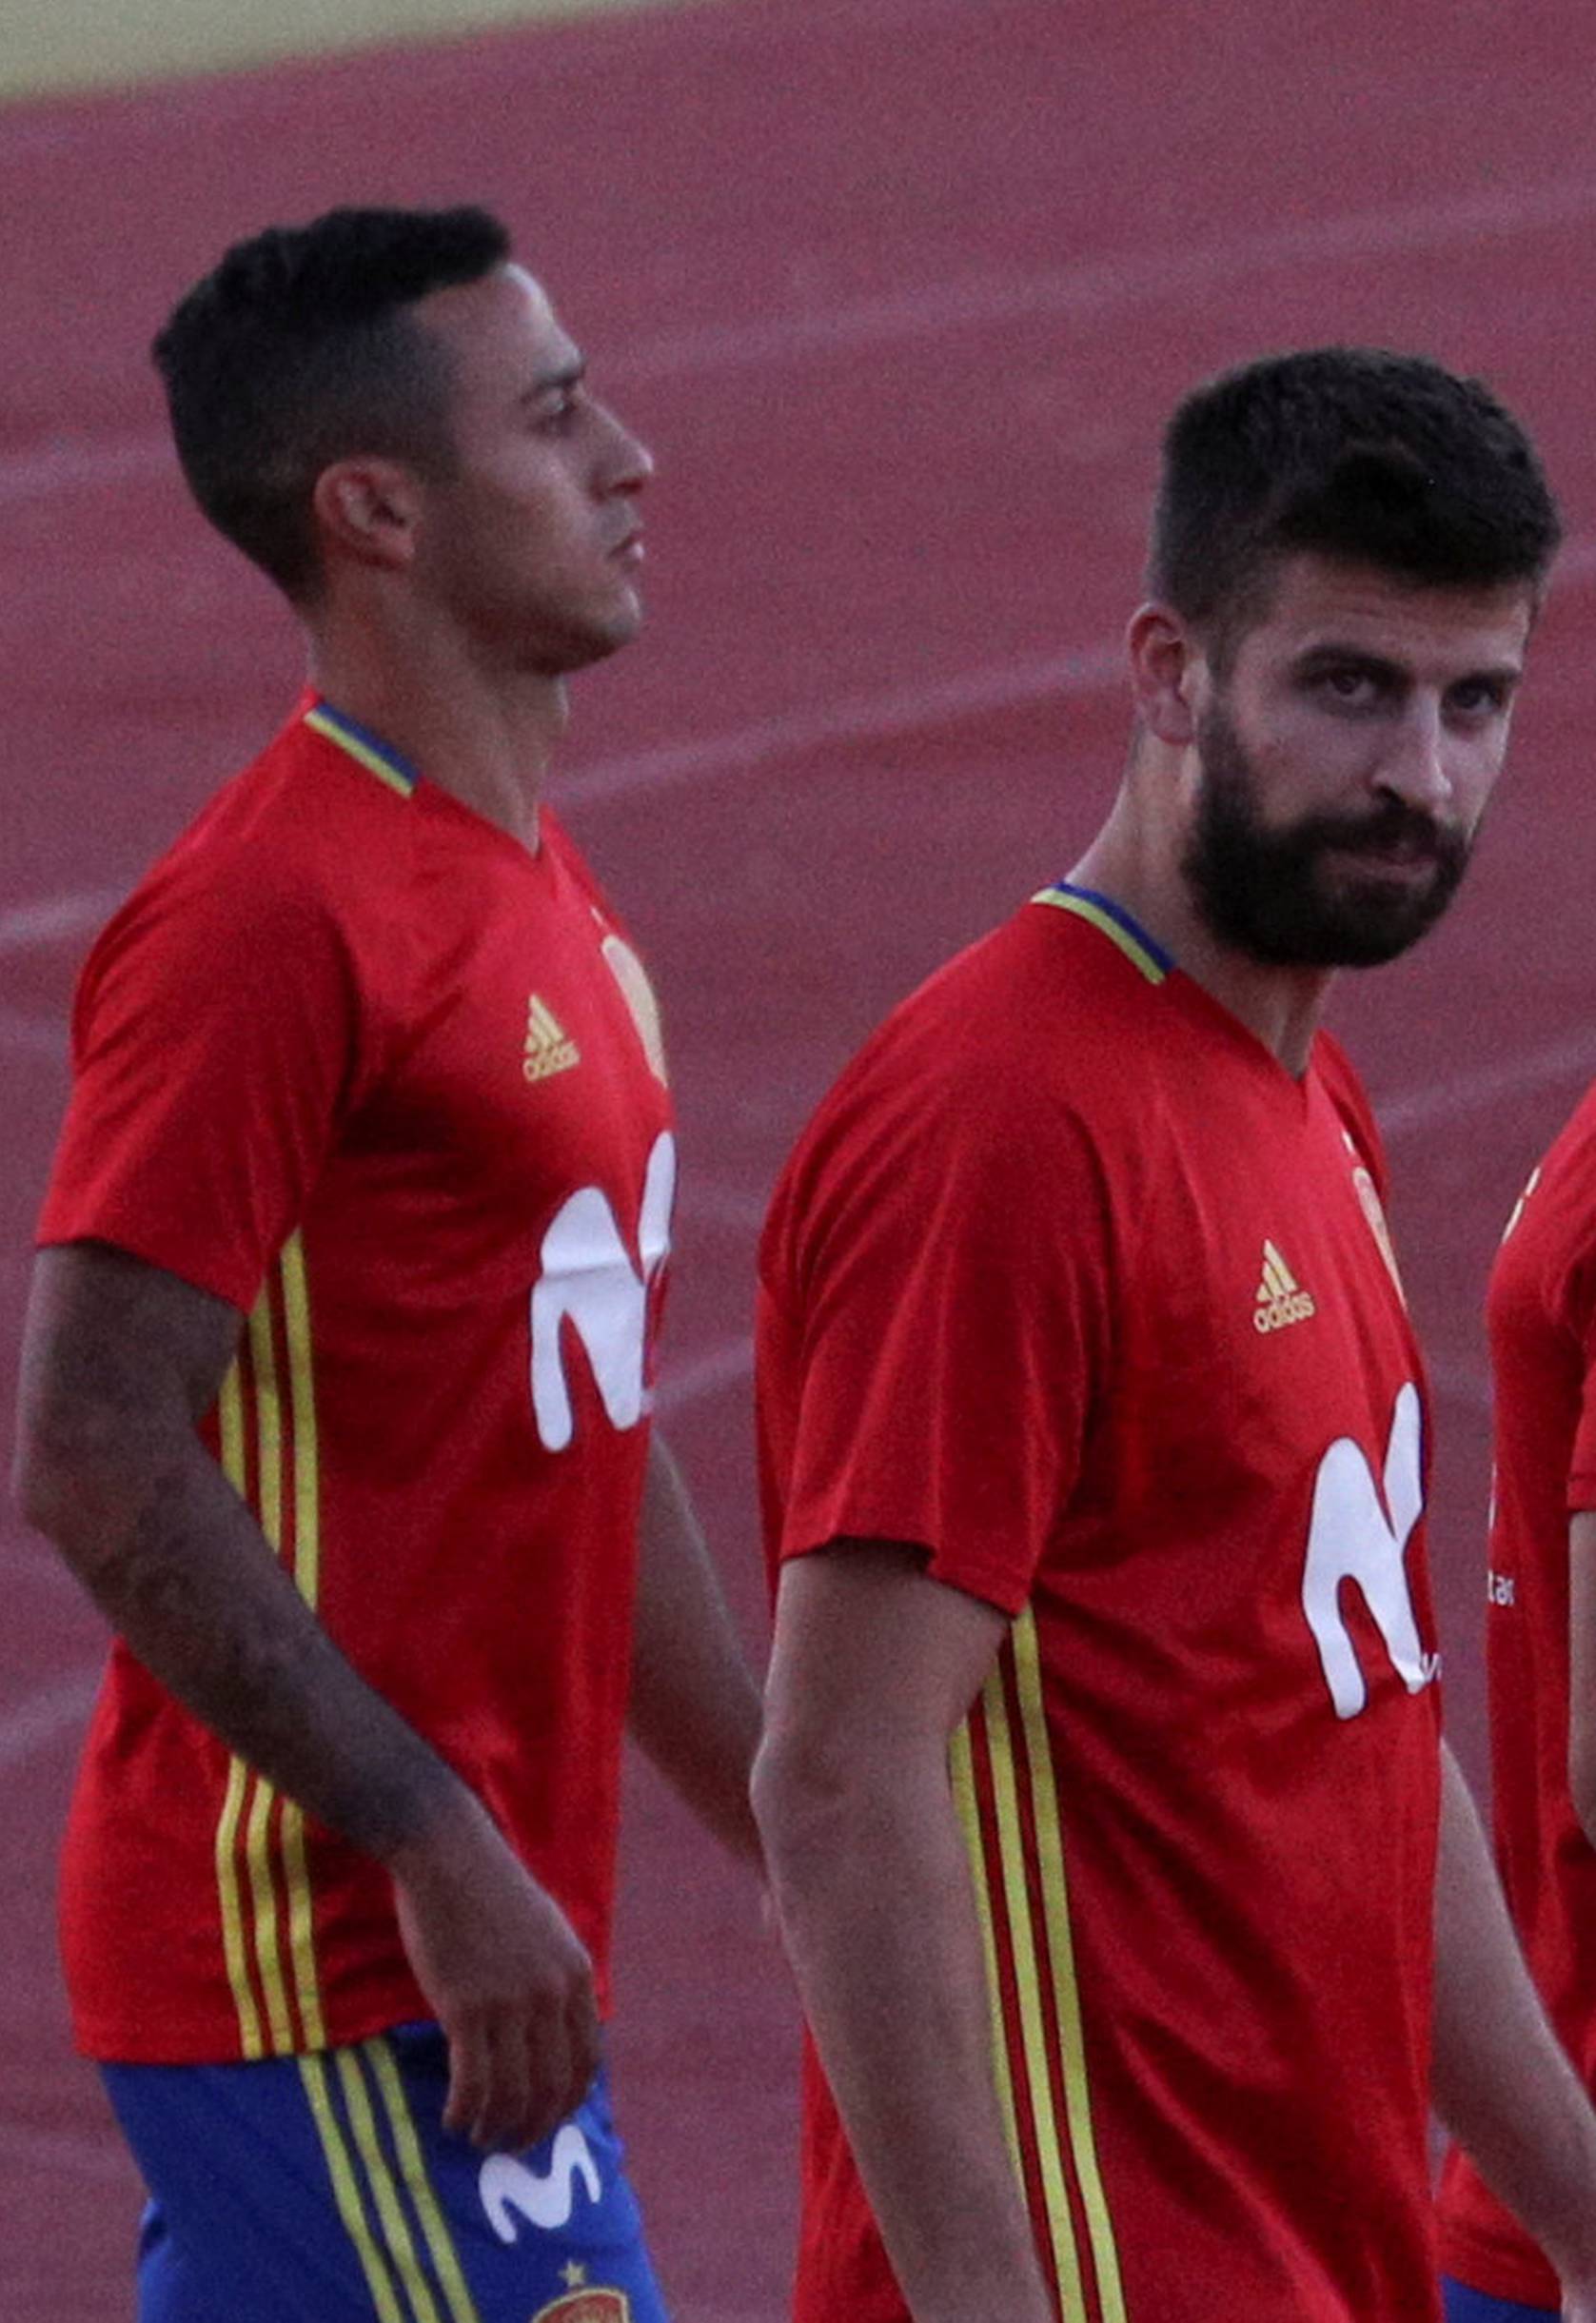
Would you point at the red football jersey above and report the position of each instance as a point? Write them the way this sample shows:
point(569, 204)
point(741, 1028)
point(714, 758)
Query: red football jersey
point(1542, 1315)
point(358, 1062)
point(1070, 1282)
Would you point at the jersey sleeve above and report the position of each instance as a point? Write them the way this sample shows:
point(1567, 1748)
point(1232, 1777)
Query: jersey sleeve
point(215, 1039)
point(942, 1281)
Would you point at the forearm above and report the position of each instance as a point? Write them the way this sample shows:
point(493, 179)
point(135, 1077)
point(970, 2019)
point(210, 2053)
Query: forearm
point(180, 1569)
point(695, 1707)
point(1502, 2083)
point(873, 1888)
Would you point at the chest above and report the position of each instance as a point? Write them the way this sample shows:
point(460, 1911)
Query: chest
point(1258, 1458)
point(522, 1082)
point(1257, 1309)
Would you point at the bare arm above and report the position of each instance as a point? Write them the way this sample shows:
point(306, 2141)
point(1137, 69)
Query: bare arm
point(695, 1706)
point(874, 1666)
point(120, 1360)
point(1501, 2081)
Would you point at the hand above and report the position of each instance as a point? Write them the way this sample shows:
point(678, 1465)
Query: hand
point(508, 1977)
point(1579, 2302)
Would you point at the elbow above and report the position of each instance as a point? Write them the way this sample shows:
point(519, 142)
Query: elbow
point(36, 1481)
point(801, 1805)
point(77, 1474)
point(770, 1794)
point(825, 1803)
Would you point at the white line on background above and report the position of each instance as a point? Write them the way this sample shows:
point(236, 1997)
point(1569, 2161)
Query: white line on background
point(53, 920)
point(701, 1376)
point(77, 2154)
point(854, 718)
point(1116, 283)
point(1464, 1093)
point(35, 1036)
point(897, 710)
point(40, 1719)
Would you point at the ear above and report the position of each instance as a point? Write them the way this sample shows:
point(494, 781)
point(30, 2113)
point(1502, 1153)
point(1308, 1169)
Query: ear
point(368, 510)
point(1169, 673)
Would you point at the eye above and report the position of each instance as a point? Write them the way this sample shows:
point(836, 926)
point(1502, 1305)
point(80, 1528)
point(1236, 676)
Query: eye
point(1346, 686)
point(1478, 697)
point(555, 418)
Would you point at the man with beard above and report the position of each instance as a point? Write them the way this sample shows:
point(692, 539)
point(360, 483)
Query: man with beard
point(1115, 1848)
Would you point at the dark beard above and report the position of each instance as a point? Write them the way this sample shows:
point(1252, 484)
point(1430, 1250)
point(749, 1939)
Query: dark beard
point(1265, 893)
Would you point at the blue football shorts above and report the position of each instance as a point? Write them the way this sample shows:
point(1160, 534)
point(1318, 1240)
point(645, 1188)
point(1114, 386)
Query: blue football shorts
point(1468, 2306)
point(325, 2189)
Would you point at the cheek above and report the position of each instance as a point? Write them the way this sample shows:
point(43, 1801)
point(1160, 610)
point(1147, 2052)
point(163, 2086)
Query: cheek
point(1476, 781)
point(1311, 765)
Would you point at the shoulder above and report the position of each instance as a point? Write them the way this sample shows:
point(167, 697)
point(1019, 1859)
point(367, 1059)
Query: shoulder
point(986, 1088)
point(300, 836)
point(288, 876)
point(1035, 1019)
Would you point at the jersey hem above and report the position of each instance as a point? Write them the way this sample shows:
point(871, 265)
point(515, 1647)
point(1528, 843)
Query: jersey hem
point(1487, 2265)
point(970, 1577)
point(157, 2046)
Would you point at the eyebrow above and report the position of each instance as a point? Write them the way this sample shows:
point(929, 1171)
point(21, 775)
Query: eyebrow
point(1328, 651)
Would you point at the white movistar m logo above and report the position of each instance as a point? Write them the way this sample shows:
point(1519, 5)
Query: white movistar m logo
point(587, 1279)
point(1352, 1537)
point(544, 2198)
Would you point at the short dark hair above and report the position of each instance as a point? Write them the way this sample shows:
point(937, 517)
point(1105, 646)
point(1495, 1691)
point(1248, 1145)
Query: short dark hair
point(1350, 453)
point(297, 350)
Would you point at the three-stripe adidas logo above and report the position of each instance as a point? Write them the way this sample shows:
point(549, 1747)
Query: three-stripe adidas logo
point(549, 1049)
point(1281, 1299)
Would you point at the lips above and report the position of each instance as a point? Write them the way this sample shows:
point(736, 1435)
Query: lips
point(1401, 852)
point(1413, 839)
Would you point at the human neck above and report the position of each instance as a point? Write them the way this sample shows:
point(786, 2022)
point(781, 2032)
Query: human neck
point(1132, 861)
point(487, 738)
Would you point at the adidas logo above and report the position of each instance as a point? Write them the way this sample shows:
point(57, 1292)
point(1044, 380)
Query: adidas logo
point(1281, 1301)
point(549, 1048)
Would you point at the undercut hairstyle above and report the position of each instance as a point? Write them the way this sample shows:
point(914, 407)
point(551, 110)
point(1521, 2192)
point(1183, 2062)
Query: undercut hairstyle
point(300, 350)
point(1348, 453)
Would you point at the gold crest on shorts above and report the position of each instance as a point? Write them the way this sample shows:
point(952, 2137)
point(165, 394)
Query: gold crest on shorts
point(587, 2306)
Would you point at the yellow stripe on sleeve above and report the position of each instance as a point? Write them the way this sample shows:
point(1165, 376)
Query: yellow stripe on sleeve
point(302, 1932)
point(268, 1433)
point(233, 1942)
point(302, 1404)
point(269, 1419)
point(282, 1429)
point(267, 1936)
point(445, 2260)
point(230, 1425)
point(963, 1780)
point(1061, 1959)
point(307, 1559)
point(1033, 2032)
point(345, 2191)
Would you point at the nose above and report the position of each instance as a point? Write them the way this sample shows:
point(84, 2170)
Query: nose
point(1416, 769)
point(628, 463)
